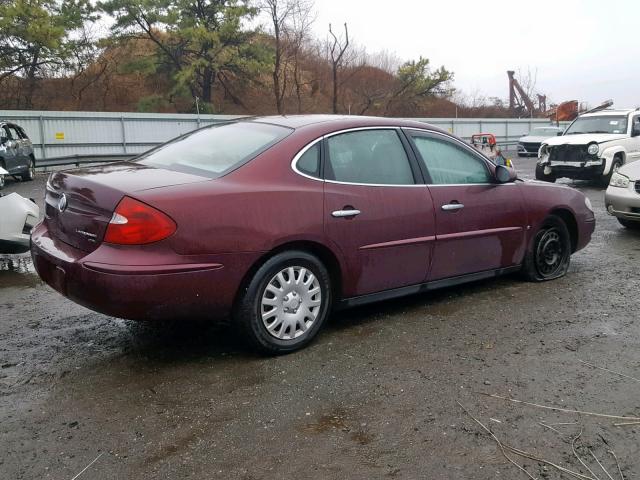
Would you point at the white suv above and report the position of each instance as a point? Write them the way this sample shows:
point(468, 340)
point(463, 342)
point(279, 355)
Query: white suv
point(594, 146)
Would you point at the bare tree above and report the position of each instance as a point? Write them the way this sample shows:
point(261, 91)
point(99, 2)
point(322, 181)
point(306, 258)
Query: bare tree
point(337, 49)
point(302, 20)
point(290, 22)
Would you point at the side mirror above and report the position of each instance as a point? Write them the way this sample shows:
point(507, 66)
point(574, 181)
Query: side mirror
point(560, 133)
point(635, 132)
point(505, 174)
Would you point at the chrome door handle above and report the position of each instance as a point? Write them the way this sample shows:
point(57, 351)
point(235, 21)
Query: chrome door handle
point(452, 206)
point(345, 213)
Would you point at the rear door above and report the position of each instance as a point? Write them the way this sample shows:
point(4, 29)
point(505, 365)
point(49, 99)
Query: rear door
point(479, 223)
point(378, 211)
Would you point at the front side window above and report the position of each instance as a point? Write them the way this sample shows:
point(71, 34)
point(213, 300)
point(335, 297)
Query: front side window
point(448, 163)
point(5, 133)
point(370, 157)
point(214, 151)
point(15, 133)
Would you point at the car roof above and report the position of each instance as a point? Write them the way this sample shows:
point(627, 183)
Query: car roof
point(331, 123)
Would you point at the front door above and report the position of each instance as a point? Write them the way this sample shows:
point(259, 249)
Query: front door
point(479, 223)
point(21, 158)
point(9, 150)
point(377, 211)
point(633, 147)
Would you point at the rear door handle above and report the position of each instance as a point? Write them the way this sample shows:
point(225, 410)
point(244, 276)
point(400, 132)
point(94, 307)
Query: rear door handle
point(452, 207)
point(345, 213)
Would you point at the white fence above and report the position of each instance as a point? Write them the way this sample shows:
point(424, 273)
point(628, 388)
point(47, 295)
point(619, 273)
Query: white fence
point(61, 134)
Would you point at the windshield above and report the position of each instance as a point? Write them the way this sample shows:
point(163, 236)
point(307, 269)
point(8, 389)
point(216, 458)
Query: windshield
point(601, 124)
point(543, 132)
point(216, 150)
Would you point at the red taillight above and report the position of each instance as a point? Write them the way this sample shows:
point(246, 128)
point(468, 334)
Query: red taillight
point(136, 223)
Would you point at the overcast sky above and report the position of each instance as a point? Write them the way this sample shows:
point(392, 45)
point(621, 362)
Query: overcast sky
point(583, 50)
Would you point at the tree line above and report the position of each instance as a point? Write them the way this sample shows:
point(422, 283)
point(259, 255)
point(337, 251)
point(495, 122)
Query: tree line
point(211, 56)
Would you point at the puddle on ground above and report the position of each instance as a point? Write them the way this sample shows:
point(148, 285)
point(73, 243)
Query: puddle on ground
point(17, 271)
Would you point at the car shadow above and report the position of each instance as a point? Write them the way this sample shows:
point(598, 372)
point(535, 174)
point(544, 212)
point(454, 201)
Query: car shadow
point(185, 340)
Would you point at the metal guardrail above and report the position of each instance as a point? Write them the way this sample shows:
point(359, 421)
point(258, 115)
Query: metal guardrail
point(77, 160)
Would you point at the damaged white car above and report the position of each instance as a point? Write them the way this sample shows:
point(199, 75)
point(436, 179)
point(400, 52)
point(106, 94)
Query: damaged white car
point(593, 147)
point(18, 216)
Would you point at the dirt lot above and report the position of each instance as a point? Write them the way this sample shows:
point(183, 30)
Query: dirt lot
point(376, 395)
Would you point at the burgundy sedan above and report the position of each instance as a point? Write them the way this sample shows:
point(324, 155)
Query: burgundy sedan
point(275, 221)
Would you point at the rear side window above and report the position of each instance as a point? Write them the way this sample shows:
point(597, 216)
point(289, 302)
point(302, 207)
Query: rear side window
point(449, 163)
point(368, 156)
point(214, 151)
point(309, 161)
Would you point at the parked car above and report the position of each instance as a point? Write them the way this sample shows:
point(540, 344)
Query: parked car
point(16, 153)
point(19, 216)
point(593, 147)
point(622, 198)
point(275, 221)
point(529, 144)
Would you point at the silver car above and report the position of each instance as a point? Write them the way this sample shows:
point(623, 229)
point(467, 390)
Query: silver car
point(16, 153)
point(623, 195)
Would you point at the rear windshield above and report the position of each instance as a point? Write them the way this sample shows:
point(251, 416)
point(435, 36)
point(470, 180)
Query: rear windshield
point(216, 150)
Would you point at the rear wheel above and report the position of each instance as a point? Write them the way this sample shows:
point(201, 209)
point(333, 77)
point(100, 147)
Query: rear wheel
point(630, 224)
point(540, 175)
point(30, 174)
point(551, 253)
point(1, 181)
point(285, 303)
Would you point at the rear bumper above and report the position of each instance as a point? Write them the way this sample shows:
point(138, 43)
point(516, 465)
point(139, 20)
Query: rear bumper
point(623, 202)
point(147, 290)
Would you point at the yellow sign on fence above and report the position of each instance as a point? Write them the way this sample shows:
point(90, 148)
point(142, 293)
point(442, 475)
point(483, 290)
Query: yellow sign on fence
point(59, 135)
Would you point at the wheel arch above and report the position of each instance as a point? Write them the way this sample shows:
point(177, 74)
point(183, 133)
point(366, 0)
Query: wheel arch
point(322, 252)
point(570, 221)
point(610, 154)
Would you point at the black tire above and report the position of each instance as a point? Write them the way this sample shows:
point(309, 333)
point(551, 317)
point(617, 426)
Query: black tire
point(249, 308)
point(630, 224)
point(2, 181)
point(617, 163)
point(550, 253)
point(30, 174)
point(540, 175)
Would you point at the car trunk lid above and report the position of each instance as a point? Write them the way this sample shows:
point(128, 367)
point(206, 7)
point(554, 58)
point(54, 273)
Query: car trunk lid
point(79, 203)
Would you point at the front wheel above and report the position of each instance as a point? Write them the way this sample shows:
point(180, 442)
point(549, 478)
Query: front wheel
point(30, 174)
point(550, 255)
point(285, 303)
point(540, 175)
point(615, 166)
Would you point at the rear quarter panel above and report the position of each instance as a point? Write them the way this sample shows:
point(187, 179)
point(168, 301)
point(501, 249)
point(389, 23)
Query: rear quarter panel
point(255, 208)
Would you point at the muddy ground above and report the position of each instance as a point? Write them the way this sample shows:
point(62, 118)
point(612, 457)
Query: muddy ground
point(375, 396)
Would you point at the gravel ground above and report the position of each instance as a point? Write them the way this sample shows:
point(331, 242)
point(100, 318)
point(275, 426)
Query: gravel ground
point(375, 396)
